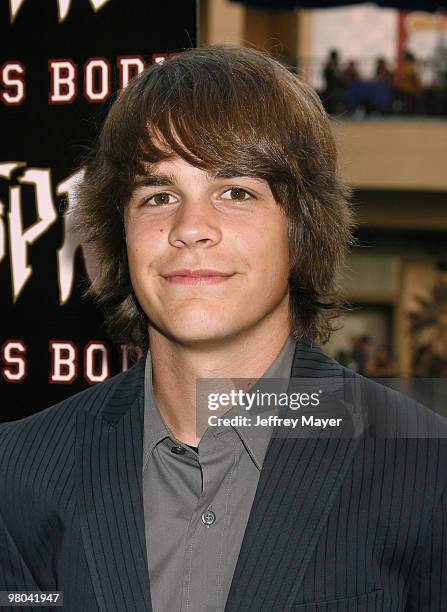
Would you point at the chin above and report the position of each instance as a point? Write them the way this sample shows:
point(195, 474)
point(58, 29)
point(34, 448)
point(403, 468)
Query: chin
point(193, 331)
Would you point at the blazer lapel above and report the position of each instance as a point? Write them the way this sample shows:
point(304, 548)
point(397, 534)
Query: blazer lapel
point(299, 481)
point(109, 446)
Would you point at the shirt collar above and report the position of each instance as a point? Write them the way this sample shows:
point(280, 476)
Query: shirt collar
point(155, 428)
point(256, 439)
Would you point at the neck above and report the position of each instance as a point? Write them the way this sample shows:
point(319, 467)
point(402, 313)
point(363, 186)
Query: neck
point(177, 366)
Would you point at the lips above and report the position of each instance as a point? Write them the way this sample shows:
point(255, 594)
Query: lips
point(197, 277)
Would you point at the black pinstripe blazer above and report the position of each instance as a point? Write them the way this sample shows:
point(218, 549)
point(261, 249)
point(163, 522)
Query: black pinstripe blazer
point(337, 525)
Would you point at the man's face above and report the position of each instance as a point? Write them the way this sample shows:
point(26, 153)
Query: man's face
point(181, 220)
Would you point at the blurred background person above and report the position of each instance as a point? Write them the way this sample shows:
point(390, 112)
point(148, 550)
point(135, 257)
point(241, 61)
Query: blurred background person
point(361, 355)
point(351, 72)
point(408, 86)
point(382, 365)
point(334, 90)
point(382, 71)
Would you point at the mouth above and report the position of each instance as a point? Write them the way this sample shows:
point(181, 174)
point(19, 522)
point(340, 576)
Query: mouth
point(197, 277)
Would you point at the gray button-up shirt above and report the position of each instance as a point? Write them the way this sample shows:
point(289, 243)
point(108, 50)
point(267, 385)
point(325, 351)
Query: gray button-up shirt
point(196, 505)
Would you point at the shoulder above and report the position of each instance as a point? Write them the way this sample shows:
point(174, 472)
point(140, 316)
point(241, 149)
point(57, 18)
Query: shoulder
point(53, 428)
point(384, 413)
point(392, 413)
point(408, 436)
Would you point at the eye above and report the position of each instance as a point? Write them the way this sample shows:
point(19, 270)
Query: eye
point(160, 199)
point(237, 194)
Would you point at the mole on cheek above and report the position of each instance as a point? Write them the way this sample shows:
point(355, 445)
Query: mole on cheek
point(161, 230)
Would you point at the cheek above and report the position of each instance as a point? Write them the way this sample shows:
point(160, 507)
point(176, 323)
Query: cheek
point(272, 246)
point(143, 242)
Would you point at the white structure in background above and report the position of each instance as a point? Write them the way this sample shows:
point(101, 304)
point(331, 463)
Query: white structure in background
point(365, 32)
point(427, 39)
point(360, 33)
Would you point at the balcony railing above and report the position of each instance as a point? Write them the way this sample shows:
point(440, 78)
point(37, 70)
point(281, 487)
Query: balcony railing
point(357, 89)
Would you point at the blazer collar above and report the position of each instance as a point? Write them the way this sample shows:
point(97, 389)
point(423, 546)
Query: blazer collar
point(127, 388)
point(298, 484)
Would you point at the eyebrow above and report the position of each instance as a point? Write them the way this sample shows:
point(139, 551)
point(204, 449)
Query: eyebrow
point(156, 179)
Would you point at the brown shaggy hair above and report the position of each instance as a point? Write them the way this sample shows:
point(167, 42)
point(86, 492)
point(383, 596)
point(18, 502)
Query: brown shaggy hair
point(222, 109)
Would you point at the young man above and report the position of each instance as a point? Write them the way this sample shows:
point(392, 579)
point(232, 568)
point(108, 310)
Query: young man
point(219, 225)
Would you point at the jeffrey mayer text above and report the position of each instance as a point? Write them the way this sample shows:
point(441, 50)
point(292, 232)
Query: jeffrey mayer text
point(273, 421)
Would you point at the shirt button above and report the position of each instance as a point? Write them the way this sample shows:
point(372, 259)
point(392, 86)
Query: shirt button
point(208, 517)
point(178, 450)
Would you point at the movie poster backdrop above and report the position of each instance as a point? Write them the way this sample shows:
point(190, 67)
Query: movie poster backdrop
point(62, 63)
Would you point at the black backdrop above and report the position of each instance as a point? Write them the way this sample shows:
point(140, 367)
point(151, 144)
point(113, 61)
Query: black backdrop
point(46, 328)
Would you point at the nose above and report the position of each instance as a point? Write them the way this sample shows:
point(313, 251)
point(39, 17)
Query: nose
point(195, 223)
